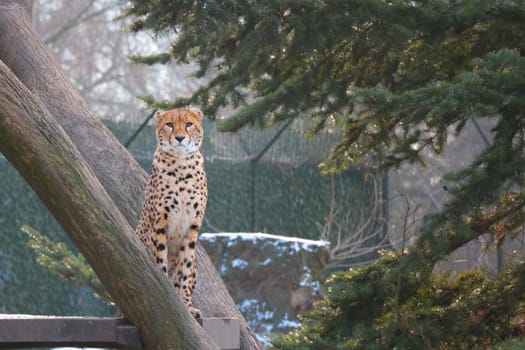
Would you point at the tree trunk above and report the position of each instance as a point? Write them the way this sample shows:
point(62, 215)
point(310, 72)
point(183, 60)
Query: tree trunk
point(23, 51)
point(43, 153)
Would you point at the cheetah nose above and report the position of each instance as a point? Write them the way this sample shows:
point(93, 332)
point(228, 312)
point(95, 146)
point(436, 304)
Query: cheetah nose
point(179, 138)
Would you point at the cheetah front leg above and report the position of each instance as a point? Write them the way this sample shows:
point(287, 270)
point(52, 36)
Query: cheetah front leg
point(185, 270)
point(160, 246)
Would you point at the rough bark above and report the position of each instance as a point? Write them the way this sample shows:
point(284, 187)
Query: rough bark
point(26, 55)
point(44, 154)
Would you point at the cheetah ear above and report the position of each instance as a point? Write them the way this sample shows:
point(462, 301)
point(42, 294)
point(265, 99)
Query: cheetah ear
point(158, 114)
point(196, 111)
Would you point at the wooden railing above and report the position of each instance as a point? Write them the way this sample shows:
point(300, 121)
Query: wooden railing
point(26, 331)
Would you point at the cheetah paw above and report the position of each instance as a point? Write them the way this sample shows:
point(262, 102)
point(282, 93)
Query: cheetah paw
point(196, 312)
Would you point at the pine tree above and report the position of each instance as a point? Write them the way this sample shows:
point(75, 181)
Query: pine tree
point(398, 77)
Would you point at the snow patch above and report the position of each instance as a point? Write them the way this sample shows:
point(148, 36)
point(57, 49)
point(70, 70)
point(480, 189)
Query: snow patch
point(286, 323)
point(266, 262)
point(239, 263)
point(298, 243)
point(307, 277)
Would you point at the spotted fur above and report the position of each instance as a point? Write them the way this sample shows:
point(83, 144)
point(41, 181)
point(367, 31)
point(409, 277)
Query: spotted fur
point(175, 199)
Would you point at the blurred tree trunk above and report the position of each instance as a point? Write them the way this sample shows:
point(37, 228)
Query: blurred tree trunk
point(24, 53)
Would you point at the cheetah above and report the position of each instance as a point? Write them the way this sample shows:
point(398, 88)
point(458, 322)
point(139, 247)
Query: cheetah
point(175, 199)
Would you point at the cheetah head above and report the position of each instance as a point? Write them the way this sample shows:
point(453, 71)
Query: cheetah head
point(179, 130)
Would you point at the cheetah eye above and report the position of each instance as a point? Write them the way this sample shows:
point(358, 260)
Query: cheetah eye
point(189, 124)
point(169, 125)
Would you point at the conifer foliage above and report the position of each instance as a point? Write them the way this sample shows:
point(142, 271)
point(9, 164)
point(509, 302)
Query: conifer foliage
point(398, 77)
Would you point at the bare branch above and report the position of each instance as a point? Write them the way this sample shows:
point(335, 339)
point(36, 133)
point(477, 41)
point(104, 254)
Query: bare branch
point(81, 16)
point(353, 236)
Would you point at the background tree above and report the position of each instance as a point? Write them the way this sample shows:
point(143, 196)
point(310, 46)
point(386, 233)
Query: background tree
point(398, 78)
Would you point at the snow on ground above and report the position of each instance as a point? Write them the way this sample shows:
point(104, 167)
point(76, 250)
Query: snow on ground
point(301, 243)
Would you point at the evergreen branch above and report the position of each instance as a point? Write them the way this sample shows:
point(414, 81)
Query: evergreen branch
point(149, 60)
point(63, 262)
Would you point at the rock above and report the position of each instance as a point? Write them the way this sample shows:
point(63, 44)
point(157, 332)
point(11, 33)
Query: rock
point(271, 278)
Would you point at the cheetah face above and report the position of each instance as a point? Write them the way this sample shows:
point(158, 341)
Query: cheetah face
point(179, 131)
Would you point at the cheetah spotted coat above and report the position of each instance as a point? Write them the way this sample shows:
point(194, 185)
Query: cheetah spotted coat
point(175, 199)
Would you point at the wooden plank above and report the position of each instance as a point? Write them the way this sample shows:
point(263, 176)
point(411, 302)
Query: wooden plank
point(25, 331)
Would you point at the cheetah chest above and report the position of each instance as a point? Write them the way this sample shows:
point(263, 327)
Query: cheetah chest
point(184, 203)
